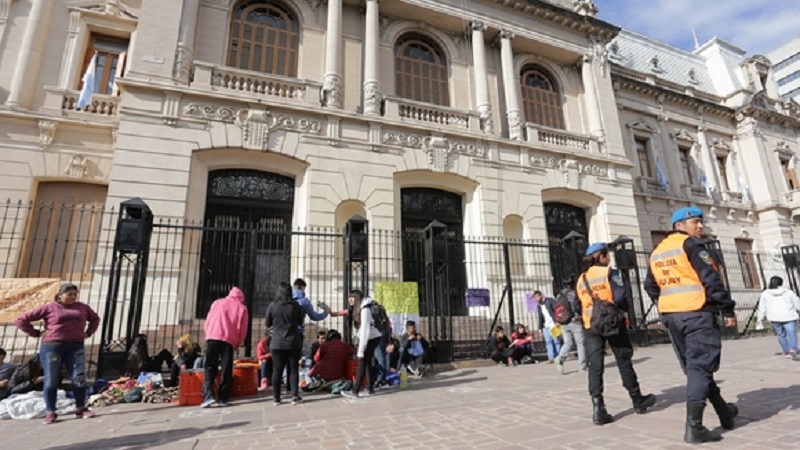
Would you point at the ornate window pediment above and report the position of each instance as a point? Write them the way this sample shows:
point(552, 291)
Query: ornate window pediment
point(114, 8)
point(720, 147)
point(784, 151)
point(643, 126)
point(681, 134)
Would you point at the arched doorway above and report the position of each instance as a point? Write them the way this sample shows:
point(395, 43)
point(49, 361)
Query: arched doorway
point(561, 219)
point(246, 236)
point(420, 207)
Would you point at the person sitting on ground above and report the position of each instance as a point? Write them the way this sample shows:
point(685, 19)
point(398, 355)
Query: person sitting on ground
point(393, 352)
point(188, 352)
point(265, 360)
point(28, 377)
point(322, 336)
point(6, 370)
point(413, 348)
point(499, 347)
point(330, 361)
point(522, 341)
point(139, 359)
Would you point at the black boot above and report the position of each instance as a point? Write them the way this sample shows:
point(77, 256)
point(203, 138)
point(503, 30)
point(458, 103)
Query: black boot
point(599, 414)
point(642, 402)
point(696, 433)
point(725, 411)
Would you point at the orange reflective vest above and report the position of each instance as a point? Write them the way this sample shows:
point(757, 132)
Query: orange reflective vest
point(597, 277)
point(681, 288)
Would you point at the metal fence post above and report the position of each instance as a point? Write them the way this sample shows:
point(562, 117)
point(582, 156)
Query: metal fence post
point(509, 287)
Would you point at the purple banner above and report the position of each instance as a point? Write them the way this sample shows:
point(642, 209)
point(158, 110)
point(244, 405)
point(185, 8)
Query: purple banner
point(531, 304)
point(477, 297)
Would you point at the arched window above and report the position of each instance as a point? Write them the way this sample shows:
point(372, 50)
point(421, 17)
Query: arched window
point(420, 70)
point(541, 98)
point(264, 38)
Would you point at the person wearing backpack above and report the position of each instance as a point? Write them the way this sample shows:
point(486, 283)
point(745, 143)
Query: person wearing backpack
point(369, 337)
point(567, 312)
point(546, 324)
point(602, 294)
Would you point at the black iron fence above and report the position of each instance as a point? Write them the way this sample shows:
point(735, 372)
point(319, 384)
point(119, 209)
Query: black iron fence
point(190, 264)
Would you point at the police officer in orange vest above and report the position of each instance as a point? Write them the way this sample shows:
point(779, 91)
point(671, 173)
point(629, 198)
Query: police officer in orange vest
point(685, 283)
point(607, 285)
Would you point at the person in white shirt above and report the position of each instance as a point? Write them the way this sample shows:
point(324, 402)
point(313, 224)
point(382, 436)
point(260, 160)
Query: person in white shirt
point(368, 340)
point(780, 306)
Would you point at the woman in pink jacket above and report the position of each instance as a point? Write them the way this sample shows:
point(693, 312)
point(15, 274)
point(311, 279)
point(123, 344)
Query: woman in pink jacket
point(226, 329)
point(65, 328)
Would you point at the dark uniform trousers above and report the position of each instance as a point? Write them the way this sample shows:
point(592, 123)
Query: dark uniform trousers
point(698, 343)
point(623, 352)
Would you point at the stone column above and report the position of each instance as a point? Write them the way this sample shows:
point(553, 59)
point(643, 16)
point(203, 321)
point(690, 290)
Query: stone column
point(5, 7)
point(30, 55)
point(592, 103)
point(372, 85)
point(510, 86)
point(332, 81)
point(184, 54)
point(481, 83)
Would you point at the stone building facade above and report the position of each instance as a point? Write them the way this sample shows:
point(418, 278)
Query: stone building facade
point(515, 119)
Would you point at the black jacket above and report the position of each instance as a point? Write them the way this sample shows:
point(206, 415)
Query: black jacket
point(498, 344)
point(718, 298)
point(189, 357)
point(548, 303)
point(24, 379)
point(284, 317)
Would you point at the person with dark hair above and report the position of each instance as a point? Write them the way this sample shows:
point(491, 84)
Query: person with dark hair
point(780, 306)
point(413, 349)
point(330, 361)
point(67, 323)
point(226, 330)
point(573, 331)
point(284, 318)
point(322, 336)
point(500, 350)
point(368, 340)
point(139, 359)
point(6, 370)
point(27, 378)
point(684, 280)
point(299, 295)
point(545, 307)
point(602, 283)
point(265, 360)
point(522, 341)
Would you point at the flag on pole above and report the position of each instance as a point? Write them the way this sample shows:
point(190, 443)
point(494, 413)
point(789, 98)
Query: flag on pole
point(88, 84)
point(745, 191)
point(704, 183)
point(662, 178)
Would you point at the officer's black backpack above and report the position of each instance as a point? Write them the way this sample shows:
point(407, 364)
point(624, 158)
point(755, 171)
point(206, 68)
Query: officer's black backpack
point(606, 318)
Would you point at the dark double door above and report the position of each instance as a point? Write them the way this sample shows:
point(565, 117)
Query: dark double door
point(562, 219)
point(246, 237)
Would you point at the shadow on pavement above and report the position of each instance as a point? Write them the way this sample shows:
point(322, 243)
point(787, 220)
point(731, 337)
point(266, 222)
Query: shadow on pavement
point(767, 402)
point(146, 440)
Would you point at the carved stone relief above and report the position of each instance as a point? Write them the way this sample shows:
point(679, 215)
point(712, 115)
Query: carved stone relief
point(47, 131)
point(77, 167)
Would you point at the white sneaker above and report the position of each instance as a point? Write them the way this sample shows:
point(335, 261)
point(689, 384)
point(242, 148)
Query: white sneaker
point(559, 365)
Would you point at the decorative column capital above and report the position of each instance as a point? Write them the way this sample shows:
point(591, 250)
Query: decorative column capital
point(478, 26)
point(505, 34)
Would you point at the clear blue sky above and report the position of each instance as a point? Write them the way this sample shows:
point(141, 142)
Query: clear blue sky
point(756, 26)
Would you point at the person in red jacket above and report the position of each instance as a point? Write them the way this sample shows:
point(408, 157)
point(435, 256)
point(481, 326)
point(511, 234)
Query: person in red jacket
point(265, 359)
point(226, 329)
point(331, 360)
point(67, 323)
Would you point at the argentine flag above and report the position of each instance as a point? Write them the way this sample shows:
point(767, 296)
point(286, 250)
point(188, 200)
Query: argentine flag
point(88, 84)
point(660, 174)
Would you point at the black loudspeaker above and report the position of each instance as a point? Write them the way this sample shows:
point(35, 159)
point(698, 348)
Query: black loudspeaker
point(625, 258)
point(130, 235)
point(357, 247)
point(436, 242)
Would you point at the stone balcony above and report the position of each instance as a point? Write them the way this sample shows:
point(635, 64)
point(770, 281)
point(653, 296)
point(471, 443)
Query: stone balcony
point(651, 186)
point(432, 116)
point(555, 139)
point(252, 85)
point(65, 102)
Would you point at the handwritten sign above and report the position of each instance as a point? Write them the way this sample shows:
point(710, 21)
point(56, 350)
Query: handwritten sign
point(531, 305)
point(401, 300)
point(20, 295)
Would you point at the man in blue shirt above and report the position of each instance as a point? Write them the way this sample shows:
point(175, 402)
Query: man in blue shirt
point(299, 295)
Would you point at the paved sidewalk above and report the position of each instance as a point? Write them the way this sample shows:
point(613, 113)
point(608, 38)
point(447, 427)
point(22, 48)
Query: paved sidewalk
point(483, 408)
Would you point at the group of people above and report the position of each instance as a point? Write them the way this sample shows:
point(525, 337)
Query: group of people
point(684, 282)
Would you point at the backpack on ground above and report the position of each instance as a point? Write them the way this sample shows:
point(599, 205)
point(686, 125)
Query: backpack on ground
point(380, 320)
point(562, 310)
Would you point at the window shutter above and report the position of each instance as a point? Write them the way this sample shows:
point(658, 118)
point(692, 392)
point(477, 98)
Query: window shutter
point(120, 71)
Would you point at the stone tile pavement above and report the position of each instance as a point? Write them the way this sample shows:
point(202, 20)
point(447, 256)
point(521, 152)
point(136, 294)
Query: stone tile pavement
point(470, 408)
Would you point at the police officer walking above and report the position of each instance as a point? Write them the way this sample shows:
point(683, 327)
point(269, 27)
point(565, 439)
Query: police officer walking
point(685, 282)
point(606, 284)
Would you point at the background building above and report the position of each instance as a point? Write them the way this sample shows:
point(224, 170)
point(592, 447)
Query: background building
point(519, 120)
point(786, 67)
